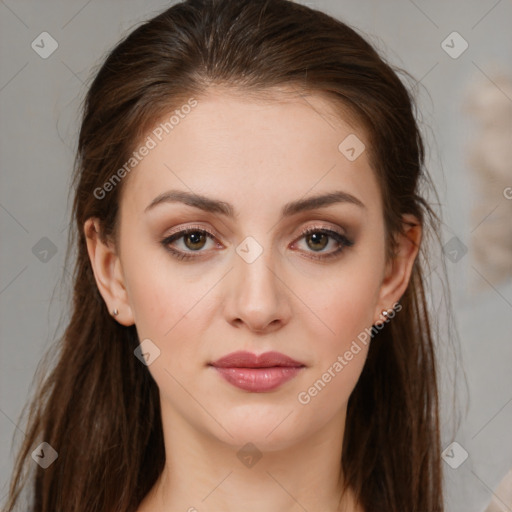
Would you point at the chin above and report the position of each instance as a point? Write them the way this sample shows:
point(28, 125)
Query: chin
point(269, 428)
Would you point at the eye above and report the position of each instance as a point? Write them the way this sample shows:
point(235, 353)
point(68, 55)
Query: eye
point(317, 239)
point(194, 240)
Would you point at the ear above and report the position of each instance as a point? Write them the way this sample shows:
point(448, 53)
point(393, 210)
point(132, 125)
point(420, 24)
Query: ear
point(398, 270)
point(108, 273)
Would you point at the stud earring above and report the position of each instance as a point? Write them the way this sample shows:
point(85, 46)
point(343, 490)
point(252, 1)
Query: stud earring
point(115, 312)
point(385, 312)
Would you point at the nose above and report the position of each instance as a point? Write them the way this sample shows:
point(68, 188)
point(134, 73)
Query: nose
point(256, 295)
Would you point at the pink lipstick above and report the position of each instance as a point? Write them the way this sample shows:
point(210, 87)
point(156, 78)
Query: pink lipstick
point(257, 373)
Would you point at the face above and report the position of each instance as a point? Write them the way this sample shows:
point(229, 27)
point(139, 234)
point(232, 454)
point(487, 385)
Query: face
point(260, 269)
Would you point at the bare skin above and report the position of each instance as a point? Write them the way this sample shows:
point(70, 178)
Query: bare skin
point(256, 156)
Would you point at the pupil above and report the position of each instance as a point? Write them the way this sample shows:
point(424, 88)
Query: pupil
point(195, 238)
point(316, 236)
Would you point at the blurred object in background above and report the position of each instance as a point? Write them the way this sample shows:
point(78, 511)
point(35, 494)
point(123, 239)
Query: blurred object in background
point(490, 158)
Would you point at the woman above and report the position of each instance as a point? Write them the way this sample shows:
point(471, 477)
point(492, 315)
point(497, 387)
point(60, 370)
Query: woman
point(249, 328)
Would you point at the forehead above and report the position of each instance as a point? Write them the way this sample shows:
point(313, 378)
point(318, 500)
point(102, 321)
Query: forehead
point(240, 147)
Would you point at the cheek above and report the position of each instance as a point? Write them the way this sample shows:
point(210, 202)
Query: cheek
point(345, 309)
point(155, 304)
point(341, 354)
point(340, 358)
point(328, 392)
point(161, 299)
point(343, 298)
point(172, 309)
point(152, 317)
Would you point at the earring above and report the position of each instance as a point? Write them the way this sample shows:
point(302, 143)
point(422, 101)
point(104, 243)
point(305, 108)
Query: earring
point(385, 312)
point(115, 312)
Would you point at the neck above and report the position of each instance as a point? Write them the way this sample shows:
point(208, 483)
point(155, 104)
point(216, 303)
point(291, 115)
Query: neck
point(204, 474)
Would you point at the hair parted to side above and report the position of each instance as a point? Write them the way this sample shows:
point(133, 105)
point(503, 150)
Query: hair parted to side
point(98, 406)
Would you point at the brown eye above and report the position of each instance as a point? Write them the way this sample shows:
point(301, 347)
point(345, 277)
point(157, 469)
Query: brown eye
point(318, 241)
point(197, 240)
point(191, 240)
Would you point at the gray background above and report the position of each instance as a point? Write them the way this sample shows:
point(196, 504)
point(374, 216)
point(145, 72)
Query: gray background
point(39, 99)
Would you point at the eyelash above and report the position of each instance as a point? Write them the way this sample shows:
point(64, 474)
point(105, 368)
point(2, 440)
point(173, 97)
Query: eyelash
point(341, 239)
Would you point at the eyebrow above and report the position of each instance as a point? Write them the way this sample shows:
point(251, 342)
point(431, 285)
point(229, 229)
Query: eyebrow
point(215, 206)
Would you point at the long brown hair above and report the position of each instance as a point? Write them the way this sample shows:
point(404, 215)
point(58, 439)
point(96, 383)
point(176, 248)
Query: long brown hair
point(98, 407)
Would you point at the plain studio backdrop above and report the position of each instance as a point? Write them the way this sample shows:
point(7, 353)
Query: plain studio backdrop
point(460, 53)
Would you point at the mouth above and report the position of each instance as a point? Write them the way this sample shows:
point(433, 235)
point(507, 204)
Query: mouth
point(257, 373)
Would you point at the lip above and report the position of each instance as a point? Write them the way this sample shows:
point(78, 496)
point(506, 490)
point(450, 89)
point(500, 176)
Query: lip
point(257, 373)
